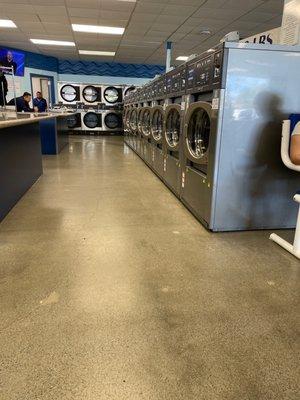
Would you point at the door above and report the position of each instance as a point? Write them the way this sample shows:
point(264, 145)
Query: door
point(45, 85)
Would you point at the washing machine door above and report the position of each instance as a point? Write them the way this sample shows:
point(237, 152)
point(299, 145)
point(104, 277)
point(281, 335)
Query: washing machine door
point(197, 129)
point(172, 126)
point(140, 112)
point(91, 94)
point(91, 120)
point(112, 95)
point(157, 123)
point(69, 93)
point(113, 120)
point(146, 122)
point(133, 124)
point(73, 121)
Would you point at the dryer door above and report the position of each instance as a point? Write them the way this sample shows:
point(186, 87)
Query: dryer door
point(146, 122)
point(112, 95)
point(113, 120)
point(91, 120)
point(172, 127)
point(91, 94)
point(69, 93)
point(73, 121)
point(197, 129)
point(157, 123)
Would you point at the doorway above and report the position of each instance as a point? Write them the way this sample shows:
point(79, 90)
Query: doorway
point(45, 85)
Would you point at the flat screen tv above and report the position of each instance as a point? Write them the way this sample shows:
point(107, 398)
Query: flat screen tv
point(13, 58)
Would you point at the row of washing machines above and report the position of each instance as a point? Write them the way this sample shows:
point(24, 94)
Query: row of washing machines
point(211, 130)
point(98, 108)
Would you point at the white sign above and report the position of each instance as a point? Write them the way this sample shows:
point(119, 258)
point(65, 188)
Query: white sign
point(290, 30)
point(268, 37)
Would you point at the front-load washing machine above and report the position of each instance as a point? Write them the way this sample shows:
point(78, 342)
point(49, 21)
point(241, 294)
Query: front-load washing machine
point(68, 93)
point(156, 129)
point(145, 129)
point(112, 121)
point(133, 127)
point(91, 121)
point(112, 95)
point(91, 94)
point(74, 122)
point(172, 140)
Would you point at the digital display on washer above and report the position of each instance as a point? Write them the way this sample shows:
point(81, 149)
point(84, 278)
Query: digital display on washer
point(69, 93)
point(204, 69)
point(191, 75)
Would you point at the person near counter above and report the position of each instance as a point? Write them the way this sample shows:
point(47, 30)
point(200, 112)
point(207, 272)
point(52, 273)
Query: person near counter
point(22, 103)
point(3, 87)
point(40, 103)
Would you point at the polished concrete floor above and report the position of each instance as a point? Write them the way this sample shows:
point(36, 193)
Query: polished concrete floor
point(110, 289)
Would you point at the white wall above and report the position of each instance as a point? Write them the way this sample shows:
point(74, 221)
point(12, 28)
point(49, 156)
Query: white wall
point(110, 80)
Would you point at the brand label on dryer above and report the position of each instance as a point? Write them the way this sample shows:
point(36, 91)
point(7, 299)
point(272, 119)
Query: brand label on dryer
point(215, 103)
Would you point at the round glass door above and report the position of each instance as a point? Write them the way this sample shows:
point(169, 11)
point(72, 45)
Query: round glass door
point(90, 94)
point(72, 121)
point(173, 128)
point(90, 120)
point(112, 121)
point(198, 131)
point(133, 120)
point(111, 95)
point(157, 125)
point(68, 93)
point(146, 122)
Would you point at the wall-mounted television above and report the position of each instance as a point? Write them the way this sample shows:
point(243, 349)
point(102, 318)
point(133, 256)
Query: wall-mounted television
point(14, 59)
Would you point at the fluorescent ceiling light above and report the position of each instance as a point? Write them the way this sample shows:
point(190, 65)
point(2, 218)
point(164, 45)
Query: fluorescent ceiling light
point(182, 58)
point(109, 30)
point(52, 42)
point(7, 23)
point(97, 53)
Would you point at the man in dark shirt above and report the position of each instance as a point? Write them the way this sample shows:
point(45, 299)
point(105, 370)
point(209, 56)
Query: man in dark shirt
point(22, 102)
point(8, 61)
point(40, 102)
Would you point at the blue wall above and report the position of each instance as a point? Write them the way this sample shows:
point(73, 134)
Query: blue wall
point(109, 69)
point(39, 61)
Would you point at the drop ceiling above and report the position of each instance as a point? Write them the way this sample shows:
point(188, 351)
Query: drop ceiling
point(148, 25)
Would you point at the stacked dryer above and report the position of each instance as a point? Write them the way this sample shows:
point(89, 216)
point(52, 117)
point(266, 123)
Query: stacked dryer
point(99, 107)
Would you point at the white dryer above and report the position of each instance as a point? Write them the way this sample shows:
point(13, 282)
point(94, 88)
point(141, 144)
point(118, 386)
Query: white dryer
point(68, 93)
point(112, 95)
point(91, 94)
point(91, 121)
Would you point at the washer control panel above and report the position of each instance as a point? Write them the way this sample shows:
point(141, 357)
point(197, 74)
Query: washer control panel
point(205, 72)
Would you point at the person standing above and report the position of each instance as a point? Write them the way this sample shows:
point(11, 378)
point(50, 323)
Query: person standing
point(40, 102)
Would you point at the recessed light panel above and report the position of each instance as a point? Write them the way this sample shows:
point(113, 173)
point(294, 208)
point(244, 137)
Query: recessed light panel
point(52, 42)
point(108, 30)
point(7, 23)
point(182, 58)
point(97, 53)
